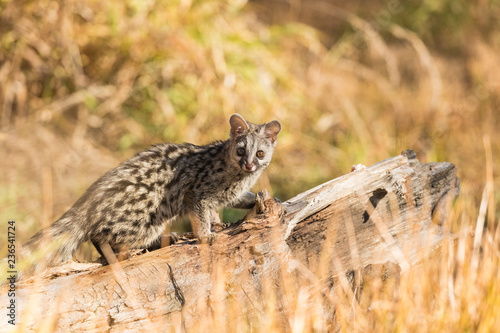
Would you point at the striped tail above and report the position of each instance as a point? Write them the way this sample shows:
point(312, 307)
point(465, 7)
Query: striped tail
point(49, 246)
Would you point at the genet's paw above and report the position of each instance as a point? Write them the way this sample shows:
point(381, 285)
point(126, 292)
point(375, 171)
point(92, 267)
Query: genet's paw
point(217, 227)
point(357, 167)
point(208, 239)
point(164, 240)
point(174, 237)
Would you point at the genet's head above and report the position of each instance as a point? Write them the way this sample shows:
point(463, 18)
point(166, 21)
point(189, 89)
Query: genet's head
point(252, 146)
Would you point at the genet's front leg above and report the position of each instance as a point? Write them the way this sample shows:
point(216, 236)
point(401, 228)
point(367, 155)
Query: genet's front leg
point(215, 222)
point(245, 201)
point(201, 219)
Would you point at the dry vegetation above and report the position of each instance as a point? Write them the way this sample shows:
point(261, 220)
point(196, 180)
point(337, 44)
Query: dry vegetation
point(85, 84)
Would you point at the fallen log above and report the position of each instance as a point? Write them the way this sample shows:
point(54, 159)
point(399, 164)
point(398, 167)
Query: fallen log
point(384, 218)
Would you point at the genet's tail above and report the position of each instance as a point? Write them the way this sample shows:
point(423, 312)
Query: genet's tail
point(49, 246)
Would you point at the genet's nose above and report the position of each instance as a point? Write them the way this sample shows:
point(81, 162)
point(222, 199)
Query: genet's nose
point(248, 166)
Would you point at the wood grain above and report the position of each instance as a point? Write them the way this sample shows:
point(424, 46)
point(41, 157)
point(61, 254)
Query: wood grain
point(387, 215)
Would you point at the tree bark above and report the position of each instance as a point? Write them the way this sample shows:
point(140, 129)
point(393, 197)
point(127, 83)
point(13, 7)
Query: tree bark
point(382, 219)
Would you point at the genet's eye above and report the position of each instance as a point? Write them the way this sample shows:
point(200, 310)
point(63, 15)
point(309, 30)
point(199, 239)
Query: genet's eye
point(240, 151)
point(260, 154)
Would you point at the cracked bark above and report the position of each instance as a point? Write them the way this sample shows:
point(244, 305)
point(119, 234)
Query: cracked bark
point(376, 221)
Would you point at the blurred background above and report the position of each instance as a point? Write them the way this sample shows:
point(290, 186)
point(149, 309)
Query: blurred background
point(86, 84)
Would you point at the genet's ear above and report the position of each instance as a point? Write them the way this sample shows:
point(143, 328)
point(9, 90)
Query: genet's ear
point(272, 129)
point(238, 125)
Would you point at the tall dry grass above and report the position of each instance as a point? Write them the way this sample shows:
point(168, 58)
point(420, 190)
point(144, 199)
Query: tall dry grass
point(85, 84)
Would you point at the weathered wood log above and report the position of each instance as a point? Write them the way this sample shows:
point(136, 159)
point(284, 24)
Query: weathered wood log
point(390, 212)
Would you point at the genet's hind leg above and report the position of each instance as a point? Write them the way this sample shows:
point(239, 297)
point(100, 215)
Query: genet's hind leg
point(123, 254)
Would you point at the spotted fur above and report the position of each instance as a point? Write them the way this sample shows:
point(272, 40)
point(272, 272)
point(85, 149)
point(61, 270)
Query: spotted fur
point(131, 204)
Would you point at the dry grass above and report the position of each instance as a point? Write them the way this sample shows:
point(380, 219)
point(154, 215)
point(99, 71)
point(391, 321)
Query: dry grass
point(84, 84)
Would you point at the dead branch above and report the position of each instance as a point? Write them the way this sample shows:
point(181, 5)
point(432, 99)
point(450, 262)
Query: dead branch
point(381, 219)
